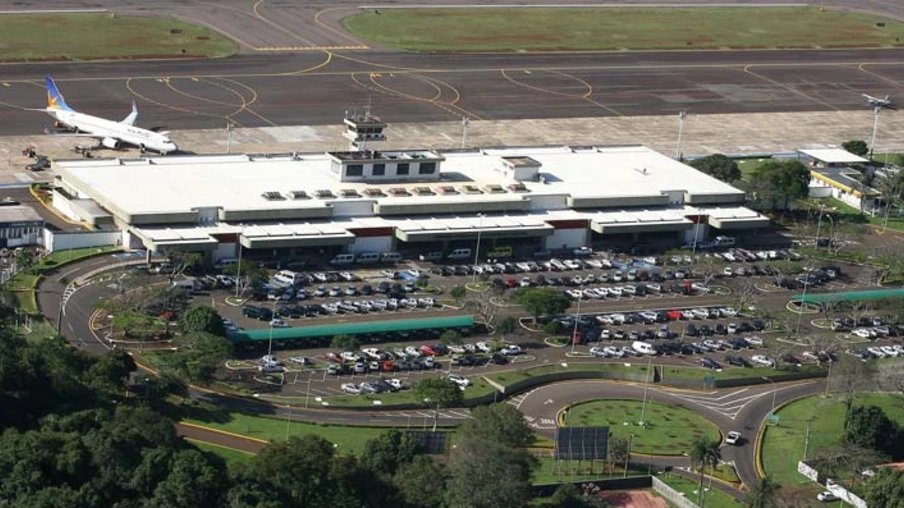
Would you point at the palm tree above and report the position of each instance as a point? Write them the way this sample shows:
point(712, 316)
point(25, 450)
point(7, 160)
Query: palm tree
point(762, 495)
point(705, 452)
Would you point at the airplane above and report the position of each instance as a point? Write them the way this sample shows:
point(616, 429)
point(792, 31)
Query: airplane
point(878, 102)
point(109, 134)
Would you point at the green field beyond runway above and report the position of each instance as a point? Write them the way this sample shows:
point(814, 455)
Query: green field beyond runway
point(608, 28)
point(670, 430)
point(104, 36)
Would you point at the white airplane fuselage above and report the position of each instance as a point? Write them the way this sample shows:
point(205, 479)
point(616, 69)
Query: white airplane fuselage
point(110, 132)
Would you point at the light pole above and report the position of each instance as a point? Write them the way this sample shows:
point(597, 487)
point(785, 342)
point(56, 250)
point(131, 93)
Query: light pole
point(229, 126)
point(803, 298)
point(872, 142)
point(628, 455)
point(477, 248)
point(238, 273)
point(464, 131)
point(696, 234)
point(681, 116)
point(577, 314)
point(773, 394)
point(288, 419)
point(270, 345)
point(646, 385)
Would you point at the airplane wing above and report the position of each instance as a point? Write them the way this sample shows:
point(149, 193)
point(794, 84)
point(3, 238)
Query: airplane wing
point(49, 132)
point(130, 120)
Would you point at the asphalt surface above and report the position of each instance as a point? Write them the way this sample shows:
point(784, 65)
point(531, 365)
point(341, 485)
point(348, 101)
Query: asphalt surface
point(739, 409)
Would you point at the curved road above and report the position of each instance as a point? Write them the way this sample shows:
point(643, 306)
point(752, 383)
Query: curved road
point(742, 409)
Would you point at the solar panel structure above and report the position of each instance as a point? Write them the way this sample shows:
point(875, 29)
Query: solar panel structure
point(432, 443)
point(582, 443)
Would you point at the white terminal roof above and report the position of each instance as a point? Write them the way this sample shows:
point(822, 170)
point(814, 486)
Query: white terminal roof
point(173, 184)
point(833, 156)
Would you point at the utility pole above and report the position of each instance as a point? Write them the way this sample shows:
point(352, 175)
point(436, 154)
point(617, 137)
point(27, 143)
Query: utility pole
point(872, 142)
point(807, 441)
point(229, 127)
point(681, 116)
point(464, 131)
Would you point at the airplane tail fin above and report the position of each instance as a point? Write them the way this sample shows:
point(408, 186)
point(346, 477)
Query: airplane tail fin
point(130, 120)
point(55, 99)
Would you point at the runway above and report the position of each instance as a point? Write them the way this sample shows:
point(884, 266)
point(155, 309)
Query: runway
point(317, 88)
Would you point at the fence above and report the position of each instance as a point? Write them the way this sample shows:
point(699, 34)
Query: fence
point(672, 495)
point(838, 490)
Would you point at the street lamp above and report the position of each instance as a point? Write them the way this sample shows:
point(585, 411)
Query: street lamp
point(238, 273)
point(270, 345)
point(773, 394)
point(577, 314)
point(803, 298)
point(681, 116)
point(477, 248)
point(646, 385)
point(229, 126)
point(872, 143)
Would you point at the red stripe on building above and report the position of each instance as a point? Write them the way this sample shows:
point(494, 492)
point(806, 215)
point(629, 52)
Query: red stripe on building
point(365, 232)
point(569, 224)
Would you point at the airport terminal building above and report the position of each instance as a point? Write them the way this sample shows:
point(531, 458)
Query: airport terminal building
point(529, 198)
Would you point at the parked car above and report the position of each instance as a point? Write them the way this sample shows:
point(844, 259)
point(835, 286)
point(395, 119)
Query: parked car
point(733, 438)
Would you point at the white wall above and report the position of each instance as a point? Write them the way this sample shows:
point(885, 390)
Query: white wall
point(63, 240)
point(352, 208)
point(62, 205)
point(571, 238)
point(549, 202)
point(700, 233)
point(371, 244)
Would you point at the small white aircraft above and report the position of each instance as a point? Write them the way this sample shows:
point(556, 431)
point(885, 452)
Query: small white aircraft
point(878, 102)
point(108, 133)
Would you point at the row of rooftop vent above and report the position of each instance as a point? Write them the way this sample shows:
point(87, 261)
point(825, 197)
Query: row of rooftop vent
point(374, 192)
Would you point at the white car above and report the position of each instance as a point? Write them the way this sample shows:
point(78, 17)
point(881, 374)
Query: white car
point(826, 496)
point(687, 314)
point(459, 380)
point(350, 388)
point(614, 352)
point(733, 438)
point(395, 384)
point(700, 313)
point(572, 264)
point(654, 288)
point(599, 352)
point(697, 286)
point(727, 271)
point(864, 333)
point(615, 291)
point(762, 360)
point(594, 263)
point(629, 290)
point(732, 328)
point(511, 350)
point(605, 334)
point(577, 294)
point(649, 317)
point(413, 351)
point(350, 356)
point(876, 352)
point(729, 312)
point(483, 346)
point(525, 282)
point(605, 320)
point(278, 323)
point(889, 351)
point(456, 349)
point(754, 341)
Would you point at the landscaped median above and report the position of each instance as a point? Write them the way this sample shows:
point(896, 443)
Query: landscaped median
point(667, 429)
point(25, 283)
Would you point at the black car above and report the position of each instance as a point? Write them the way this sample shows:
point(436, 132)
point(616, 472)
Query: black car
point(710, 363)
point(705, 330)
point(499, 359)
point(251, 312)
point(648, 335)
point(745, 327)
point(759, 325)
point(739, 343)
point(720, 329)
point(264, 314)
point(691, 330)
point(686, 349)
point(367, 290)
point(737, 361)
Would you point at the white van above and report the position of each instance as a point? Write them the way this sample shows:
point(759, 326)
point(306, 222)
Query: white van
point(287, 277)
point(343, 259)
point(431, 256)
point(390, 257)
point(724, 241)
point(226, 262)
point(460, 254)
point(643, 348)
point(367, 258)
point(190, 285)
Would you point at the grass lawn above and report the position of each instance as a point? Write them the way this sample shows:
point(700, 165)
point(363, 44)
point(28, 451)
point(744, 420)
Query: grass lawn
point(228, 454)
point(713, 498)
point(783, 445)
point(91, 36)
point(748, 166)
point(612, 28)
point(347, 439)
point(669, 431)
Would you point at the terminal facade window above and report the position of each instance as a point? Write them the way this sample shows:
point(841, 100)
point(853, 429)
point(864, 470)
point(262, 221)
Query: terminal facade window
point(379, 170)
point(354, 170)
point(427, 168)
point(402, 168)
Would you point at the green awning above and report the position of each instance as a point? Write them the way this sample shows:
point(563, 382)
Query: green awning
point(396, 325)
point(850, 296)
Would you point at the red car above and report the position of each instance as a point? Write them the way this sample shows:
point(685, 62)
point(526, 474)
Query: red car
point(673, 315)
point(428, 351)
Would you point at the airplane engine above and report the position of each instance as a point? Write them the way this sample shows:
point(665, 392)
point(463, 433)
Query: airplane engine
point(110, 143)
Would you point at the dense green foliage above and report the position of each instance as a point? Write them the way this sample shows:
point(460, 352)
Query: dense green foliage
point(777, 183)
point(870, 428)
point(542, 302)
point(856, 147)
point(718, 166)
point(202, 319)
point(886, 489)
